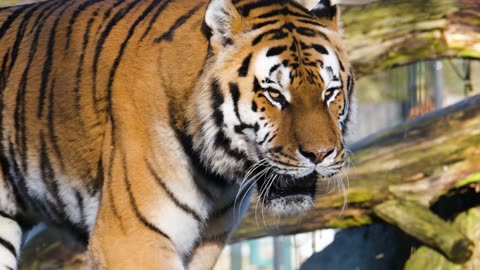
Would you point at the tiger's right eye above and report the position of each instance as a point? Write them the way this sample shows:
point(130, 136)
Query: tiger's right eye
point(276, 96)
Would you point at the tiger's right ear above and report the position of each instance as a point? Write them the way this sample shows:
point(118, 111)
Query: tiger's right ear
point(219, 19)
point(328, 12)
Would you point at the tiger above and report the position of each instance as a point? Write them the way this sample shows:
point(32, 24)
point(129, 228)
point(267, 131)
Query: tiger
point(145, 127)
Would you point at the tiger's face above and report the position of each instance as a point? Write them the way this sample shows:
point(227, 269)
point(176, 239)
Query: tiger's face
point(281, 86)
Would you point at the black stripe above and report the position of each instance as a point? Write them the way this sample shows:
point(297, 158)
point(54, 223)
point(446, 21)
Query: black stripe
point(48, 176)
point(3, 83)
point(304, 31)
point(113, 207)
point(9, 246)
point(218, 238)
point(10, 19)
point(264, 138)
point(168, 36)
point(45, 13)
point(5, 215)
point(13, 171)
point(311, 22)
point(187, 145)
point(342, 68)
point(246, 9)
point(74, 17)
point(52, 135)
point(283, 11)
point(277, 34)
point(262, 24)
point(18, 41)
point(172, 196)
point(235, 92)
point(276, 50)
point(131, 31)
point(47, 66)
point(133, 202)
point(256, 85)
point(108, 12)
point(319, 48)
point(243, 70)
point(103, 37)
point(154, 18)
point(80, 67)
point(254, 106)
point(123, 46)
point(20, 105)
point(221, 140)
point(273, 137)
point(81, 209)
point(273, 68)
point(217, 101)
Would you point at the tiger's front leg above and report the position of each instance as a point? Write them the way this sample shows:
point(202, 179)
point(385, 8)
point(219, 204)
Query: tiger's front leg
point(150, 213)
point(222, 221)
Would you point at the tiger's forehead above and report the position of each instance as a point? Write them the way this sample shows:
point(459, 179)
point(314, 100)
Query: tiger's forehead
point(277, 66)
point(256, 8)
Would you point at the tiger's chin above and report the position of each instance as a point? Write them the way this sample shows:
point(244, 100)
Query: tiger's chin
point(291, 196)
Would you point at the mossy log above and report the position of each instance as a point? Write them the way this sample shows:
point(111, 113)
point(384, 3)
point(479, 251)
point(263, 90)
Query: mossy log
point(385, 33)
point(425, 258)
point(419, 161)
point(421, 223)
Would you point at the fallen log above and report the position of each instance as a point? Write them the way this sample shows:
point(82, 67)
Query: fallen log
point(421, 223)
point(468, 223)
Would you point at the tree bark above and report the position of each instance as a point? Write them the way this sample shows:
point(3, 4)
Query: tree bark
point(386, 33)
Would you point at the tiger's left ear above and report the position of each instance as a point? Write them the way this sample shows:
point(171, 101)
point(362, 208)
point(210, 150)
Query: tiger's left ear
point(219, 18)
point(326, 11)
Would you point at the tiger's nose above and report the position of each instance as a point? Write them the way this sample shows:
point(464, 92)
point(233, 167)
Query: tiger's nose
point(316, 155)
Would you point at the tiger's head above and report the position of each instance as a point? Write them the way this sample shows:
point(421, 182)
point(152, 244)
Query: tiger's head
point(274, 98)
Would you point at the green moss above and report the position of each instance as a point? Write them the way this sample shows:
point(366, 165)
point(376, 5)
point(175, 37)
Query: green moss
point(473, 178)
point(360, 195)
point(469, 53)
point(348, 221)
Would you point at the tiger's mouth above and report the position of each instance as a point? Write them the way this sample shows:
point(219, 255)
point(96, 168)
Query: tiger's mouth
point(286, 195)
